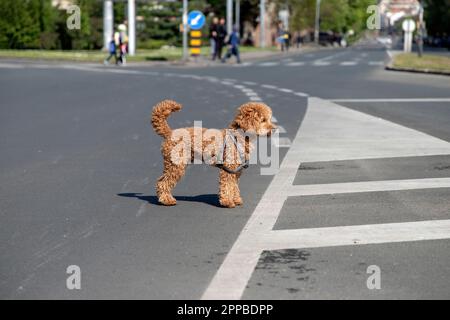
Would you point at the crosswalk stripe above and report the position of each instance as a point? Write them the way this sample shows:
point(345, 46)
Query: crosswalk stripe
point(368, 186)
point(348, 63)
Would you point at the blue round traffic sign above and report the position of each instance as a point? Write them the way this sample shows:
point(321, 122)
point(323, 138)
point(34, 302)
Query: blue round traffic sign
point(196, 20)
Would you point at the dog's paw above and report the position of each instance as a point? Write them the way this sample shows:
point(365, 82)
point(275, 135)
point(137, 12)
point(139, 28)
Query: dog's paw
point(167, 200)
point(227, 203)
point(238, 201)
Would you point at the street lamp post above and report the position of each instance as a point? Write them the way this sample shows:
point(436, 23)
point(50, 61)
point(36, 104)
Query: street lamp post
point(317, 22)
point(237, 14)
point(108, 22)
point(131, 27)
point(185, 26)
point(262, 22)
point(229, 16)
point(420, 31)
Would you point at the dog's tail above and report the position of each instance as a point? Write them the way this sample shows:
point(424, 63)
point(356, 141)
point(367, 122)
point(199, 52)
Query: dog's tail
point(160, 114)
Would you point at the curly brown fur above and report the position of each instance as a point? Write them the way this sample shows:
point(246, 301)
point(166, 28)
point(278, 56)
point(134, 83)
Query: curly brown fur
point(252, 118)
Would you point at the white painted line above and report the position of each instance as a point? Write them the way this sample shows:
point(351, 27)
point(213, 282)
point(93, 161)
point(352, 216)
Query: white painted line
point(268, 86)
point(348, 63)
point(321, 63)
point(255, 99)
point(295, 64)
point(301, 94)
point(249, 83)
point(281, 129)
point(282, 142)
point(328, 132)
point(11, 66)
point(268, 64)
point(250, 94)
point(368, 186)
point(274, 119)
point(357, 235)
point(285, 90)
point(394, 100)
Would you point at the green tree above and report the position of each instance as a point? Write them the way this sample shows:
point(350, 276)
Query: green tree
point(437, 16)
point(18, 29)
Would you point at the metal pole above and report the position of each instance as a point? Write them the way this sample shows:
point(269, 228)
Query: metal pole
point(420, 42)
point(131, 27)
point(185, 31)
point(317, 23)
point(108, 22)
point(262, 23)
point(237, 14)
point(229, 16)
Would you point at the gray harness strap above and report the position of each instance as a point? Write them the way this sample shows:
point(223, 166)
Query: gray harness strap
point(242, 166)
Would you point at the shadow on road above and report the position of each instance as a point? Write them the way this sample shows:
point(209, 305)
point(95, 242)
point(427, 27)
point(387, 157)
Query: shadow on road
point(210, 199)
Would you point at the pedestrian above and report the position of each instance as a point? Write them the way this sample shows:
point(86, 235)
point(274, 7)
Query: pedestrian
point(112, 51)
point(213, 36)
point(221, 36)
point(233, 49)
point(122, 39)
point(281, 36)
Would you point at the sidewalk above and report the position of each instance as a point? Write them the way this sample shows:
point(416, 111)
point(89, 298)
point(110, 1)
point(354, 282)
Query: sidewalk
point(201, 61)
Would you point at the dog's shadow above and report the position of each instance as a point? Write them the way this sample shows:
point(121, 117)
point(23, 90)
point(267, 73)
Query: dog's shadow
point(210, 199)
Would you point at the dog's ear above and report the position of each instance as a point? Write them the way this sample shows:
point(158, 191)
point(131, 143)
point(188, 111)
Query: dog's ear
point(246, 114)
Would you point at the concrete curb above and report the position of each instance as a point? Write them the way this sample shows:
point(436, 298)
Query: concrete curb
point(424, 71)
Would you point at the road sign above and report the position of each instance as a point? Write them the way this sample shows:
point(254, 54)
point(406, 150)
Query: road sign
point(409, 25)
point(196, 20)
point(196, 42)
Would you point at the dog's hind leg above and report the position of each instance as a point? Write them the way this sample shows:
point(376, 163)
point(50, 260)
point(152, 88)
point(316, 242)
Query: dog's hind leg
point(171, 175)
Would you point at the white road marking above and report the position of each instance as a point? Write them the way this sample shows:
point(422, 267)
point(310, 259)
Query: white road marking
point(274, 119)
point(11, 66)
point(357, 235)
point(250, 83)
point(368, 186)
point(268, 86)
point(348, 63)
point(285, 90)
point(282, 142)
point(269, 64)
point(281, 129)
point(301, 94)
point(394, 100)
point(255, 98)
point(328, 132)
point(321, 63)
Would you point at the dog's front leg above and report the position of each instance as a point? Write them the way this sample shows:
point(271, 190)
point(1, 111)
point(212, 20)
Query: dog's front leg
point(236, 193)
point(227, 185)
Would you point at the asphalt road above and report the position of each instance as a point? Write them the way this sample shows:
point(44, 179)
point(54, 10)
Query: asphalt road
point(80, 159)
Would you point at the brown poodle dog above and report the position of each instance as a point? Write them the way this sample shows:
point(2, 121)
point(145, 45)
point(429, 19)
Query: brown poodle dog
point(185, 145)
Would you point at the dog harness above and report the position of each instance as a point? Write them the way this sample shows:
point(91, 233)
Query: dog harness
point(244, 162)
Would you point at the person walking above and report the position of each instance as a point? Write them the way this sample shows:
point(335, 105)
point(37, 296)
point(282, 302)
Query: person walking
point(221, 35)
point(281, 36)
point(112, 51)
point(213, 36)
point(233, 43)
